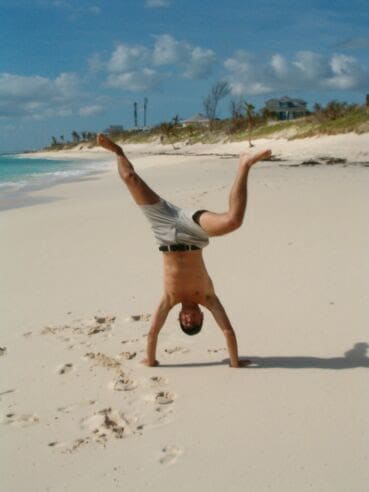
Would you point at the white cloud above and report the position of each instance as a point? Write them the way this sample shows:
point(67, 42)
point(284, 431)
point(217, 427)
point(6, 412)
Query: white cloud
point(194, 61)
point(307, 71)
point(346, 73)
point(138, 68)
point(39, 97)
point(355, 43)
point(279, 65)
point(145, 79)
point(168, 51)
point(74, 10)
point(126, 58)
point(91, 110)
point(311, 66)
point(66, 85)
point(245, 75)
point(17, 86)
point(200, 64)
point(157, 3)
point(95, 63)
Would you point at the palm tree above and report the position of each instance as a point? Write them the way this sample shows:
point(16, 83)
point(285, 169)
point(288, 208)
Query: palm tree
point(250, 118)
point(145, 111)
point(75, 136)
point(218, 92)
point(169, 130)
point(135, 105)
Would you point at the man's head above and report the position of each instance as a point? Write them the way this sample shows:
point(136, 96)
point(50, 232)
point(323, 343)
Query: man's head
point(190, 319)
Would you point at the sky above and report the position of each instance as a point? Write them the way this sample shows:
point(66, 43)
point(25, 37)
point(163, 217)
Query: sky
point(79, 65)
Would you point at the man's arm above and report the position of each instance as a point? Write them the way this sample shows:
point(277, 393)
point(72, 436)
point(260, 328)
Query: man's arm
point(157, 323)
point(220, 316)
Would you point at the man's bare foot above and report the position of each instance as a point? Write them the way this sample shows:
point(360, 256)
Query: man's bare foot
point(148, 363)
point(105, 142)
point(242, 363)
point(249, 160)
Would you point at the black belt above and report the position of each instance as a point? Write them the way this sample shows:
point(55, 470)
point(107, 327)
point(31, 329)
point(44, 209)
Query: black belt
point(178, 247)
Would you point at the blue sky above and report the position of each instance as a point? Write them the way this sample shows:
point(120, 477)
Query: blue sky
point(79, 65)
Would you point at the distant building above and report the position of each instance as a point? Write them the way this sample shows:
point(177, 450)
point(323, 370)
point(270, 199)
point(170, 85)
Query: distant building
point(287, 108)
point(113, 129)
point(199, 119)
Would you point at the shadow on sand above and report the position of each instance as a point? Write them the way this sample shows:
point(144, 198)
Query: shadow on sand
point(353, 358)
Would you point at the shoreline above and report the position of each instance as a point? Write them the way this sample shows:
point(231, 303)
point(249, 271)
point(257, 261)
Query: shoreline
point(15, 194)
point(345, 150)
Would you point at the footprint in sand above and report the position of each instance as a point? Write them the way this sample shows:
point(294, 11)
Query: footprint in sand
point(6, 392)
point(104, 319)
point(21, 420)
point(109, 423)
point(164, 398)
point(3, 350)
point(139, 317)
point(77, 443)
point(132, 340)
point(100, 324)
point(176, 349)
point(71, 408)
point(127, 355)
point(81, 327)
point(124, 383)
point(215, 351)
point(65, 368)
point(169, 455)
point(103, 360)
point(158, 381)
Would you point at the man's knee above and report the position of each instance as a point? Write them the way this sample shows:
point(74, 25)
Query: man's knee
point(130, 177)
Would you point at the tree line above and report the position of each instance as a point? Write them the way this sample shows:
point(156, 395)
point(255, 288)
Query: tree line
point(243, 118)
point(75, 138)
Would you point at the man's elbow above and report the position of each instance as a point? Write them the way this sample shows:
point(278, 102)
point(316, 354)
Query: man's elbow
point(211, 302)
point(229, 333)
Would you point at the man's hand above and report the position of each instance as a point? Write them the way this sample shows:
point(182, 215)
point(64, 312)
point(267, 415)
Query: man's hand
point(157, 322)
point(149, 363)
point(217, 310)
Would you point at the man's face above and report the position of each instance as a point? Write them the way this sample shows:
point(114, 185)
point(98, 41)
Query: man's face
point(191, 316)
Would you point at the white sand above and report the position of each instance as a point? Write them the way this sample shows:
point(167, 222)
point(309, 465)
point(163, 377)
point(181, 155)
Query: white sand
point(78, 414)
point(350, 146)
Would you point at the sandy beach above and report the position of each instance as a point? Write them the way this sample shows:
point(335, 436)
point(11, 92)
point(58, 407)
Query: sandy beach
point(81, 275)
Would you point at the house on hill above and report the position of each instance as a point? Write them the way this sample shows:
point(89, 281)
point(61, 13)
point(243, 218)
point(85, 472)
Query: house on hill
point(114, 129)
point(287, 108)
point(198, 119)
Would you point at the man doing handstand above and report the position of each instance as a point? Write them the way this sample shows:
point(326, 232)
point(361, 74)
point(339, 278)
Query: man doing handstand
point(181, 235)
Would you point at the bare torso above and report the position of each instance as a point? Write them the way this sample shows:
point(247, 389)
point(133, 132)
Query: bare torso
point(186, 278)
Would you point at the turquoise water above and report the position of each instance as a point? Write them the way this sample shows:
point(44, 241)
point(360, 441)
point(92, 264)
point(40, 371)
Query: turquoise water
point(19, 174)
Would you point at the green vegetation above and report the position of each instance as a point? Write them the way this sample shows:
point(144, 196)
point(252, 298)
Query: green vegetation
point(335, 118)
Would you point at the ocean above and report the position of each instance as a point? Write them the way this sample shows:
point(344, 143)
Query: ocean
point(21, 174)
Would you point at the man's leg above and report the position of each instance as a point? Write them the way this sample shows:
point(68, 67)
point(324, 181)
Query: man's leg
point(219, 224)
point(141, 193)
